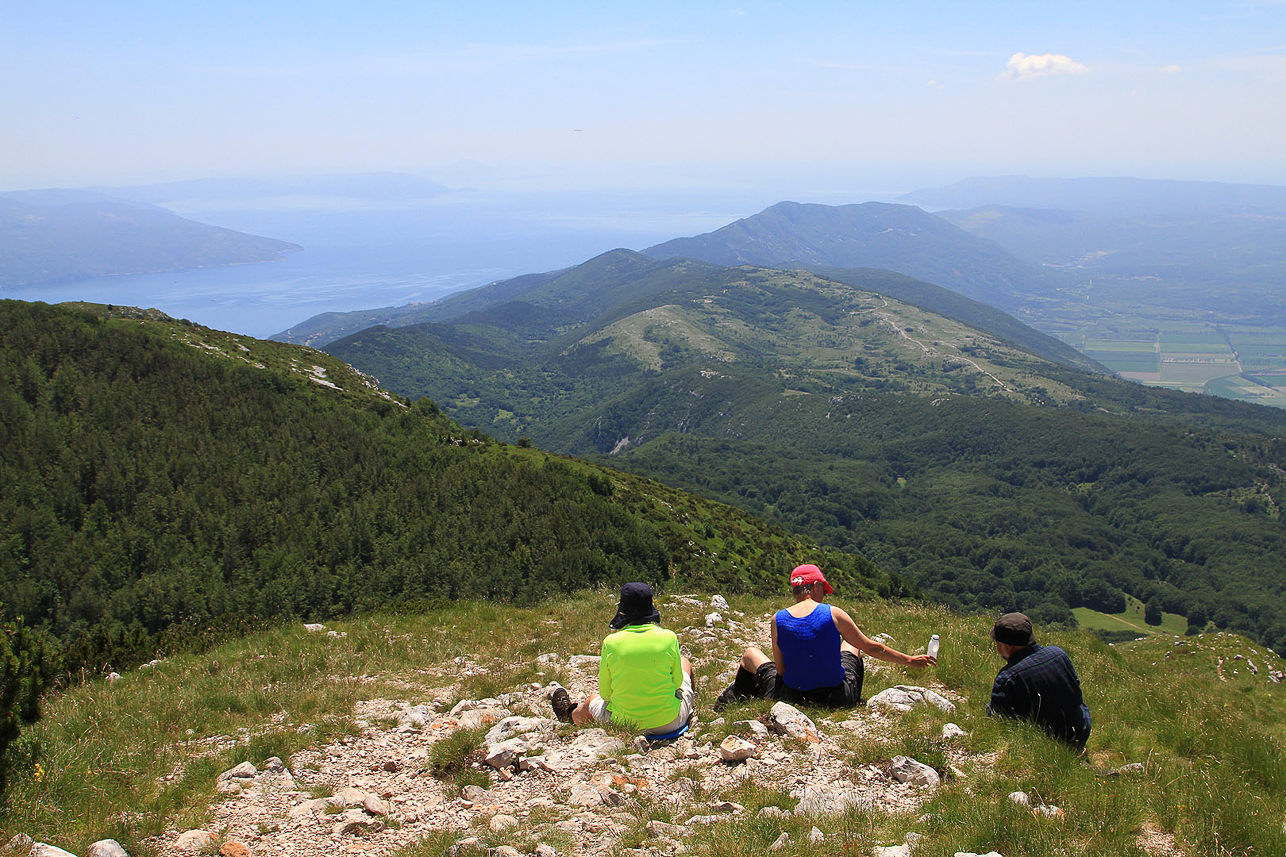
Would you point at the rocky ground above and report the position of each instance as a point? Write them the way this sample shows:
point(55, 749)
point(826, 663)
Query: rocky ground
point(551, 789)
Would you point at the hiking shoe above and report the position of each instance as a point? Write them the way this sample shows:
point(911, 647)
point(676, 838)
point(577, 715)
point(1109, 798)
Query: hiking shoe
point(562, 704)
point(727, 695)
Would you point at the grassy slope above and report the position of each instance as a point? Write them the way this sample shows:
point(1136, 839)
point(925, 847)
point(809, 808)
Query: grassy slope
point(127, 759)
point(1131, 619)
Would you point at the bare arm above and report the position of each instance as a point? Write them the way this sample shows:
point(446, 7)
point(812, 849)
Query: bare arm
point(853, 635)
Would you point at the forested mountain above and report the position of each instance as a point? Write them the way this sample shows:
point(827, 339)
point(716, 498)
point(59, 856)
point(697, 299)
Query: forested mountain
point(992, 477)
point(53, 235)
point(837, 241)
point(899, 238)
point(162, 477)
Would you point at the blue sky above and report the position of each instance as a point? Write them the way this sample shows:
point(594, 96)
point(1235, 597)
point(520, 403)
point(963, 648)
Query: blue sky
point(618, 95)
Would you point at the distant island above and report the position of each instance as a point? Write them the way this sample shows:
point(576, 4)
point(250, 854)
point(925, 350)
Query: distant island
point(57, 235)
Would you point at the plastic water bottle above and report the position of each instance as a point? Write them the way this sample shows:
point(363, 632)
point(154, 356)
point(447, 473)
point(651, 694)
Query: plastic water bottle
point(933, 646)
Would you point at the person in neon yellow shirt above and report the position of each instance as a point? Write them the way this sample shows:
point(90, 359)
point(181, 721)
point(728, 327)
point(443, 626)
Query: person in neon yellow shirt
point(643, 680)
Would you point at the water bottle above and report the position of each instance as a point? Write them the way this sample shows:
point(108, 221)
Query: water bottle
point(933, 646)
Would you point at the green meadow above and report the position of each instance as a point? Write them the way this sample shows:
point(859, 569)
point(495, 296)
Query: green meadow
point(134, 758)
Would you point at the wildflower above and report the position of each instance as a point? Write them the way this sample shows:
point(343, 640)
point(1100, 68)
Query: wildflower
point(40, 773)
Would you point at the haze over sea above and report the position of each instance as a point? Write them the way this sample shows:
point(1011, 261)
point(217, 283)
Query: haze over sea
point(360, 255)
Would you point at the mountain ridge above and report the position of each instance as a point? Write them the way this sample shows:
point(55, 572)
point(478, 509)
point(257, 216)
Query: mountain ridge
point(880, 427)
point(870, 235)
point(59, 235)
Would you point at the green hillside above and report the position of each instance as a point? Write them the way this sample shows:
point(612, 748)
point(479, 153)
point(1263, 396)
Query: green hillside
point(899, 238)
point(991, 477)
point(163, 479)
point(1185, 757)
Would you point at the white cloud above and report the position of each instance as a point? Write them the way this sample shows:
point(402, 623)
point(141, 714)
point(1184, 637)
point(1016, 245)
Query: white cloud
point(1024, 67)
point(1169, 69)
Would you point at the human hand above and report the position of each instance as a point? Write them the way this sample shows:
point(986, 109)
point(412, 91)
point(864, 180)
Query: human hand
point(922, 661)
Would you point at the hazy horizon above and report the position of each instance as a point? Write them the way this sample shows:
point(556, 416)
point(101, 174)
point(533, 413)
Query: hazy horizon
point(818, 99)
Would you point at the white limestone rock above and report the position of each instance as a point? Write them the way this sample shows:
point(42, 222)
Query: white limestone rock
point(317, 806)
point(356, 822)
point(41, 849)
point(533, 763)
point(21, 844)
point(478, 717)
point(908, 770)
point(596, 743)
point(505, 753)
point(514, 725)
point(829, 800)
point(375, 805)
point(236, 779)
point(905, 697)
point(585, 794)
point(193, 841)
point(789, 720)
point(903, 850)
point(734, 749)
point(415, 717)
point(107, 848)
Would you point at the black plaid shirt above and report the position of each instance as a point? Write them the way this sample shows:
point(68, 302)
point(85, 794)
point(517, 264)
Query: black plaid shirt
point(1040, 684)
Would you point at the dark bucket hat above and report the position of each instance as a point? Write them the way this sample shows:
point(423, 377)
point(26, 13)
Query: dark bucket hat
point(635, 607)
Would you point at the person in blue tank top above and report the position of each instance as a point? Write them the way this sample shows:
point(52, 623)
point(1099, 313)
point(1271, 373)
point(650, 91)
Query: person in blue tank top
point(816, 652)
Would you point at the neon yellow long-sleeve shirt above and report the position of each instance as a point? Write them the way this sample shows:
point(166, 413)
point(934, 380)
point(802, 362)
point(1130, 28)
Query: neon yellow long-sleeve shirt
point(638, 674)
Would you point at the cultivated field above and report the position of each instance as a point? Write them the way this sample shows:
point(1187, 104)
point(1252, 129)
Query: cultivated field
point(1229, 360)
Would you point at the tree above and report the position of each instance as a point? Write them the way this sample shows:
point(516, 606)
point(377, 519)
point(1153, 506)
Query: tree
point(1197, 619)
point(1152, 611)
point(26, 668)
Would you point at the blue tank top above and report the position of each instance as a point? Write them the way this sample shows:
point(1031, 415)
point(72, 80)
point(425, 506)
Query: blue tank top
point(810, 649)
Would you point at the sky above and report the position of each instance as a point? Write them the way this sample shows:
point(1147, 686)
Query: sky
point(622, 95)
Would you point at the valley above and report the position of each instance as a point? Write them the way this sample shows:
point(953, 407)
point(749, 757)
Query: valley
point(991, 478)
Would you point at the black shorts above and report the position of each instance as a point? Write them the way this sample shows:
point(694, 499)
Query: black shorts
point(769, 685)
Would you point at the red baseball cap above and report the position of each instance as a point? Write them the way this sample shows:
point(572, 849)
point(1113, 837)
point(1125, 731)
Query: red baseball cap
point(806, 575)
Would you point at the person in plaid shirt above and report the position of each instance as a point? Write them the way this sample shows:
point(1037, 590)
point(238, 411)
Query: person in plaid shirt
point(1037, 683)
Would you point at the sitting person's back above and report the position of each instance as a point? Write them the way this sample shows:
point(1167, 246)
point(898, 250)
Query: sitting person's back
point(638, 674)
point(643, 680)
point(1037, 683)
point(816, 652)
point(810, 646)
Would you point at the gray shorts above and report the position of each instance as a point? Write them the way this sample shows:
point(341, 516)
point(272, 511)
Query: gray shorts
point(687, 702)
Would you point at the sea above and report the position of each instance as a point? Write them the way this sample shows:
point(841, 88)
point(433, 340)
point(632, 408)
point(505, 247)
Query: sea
point(371, 254)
